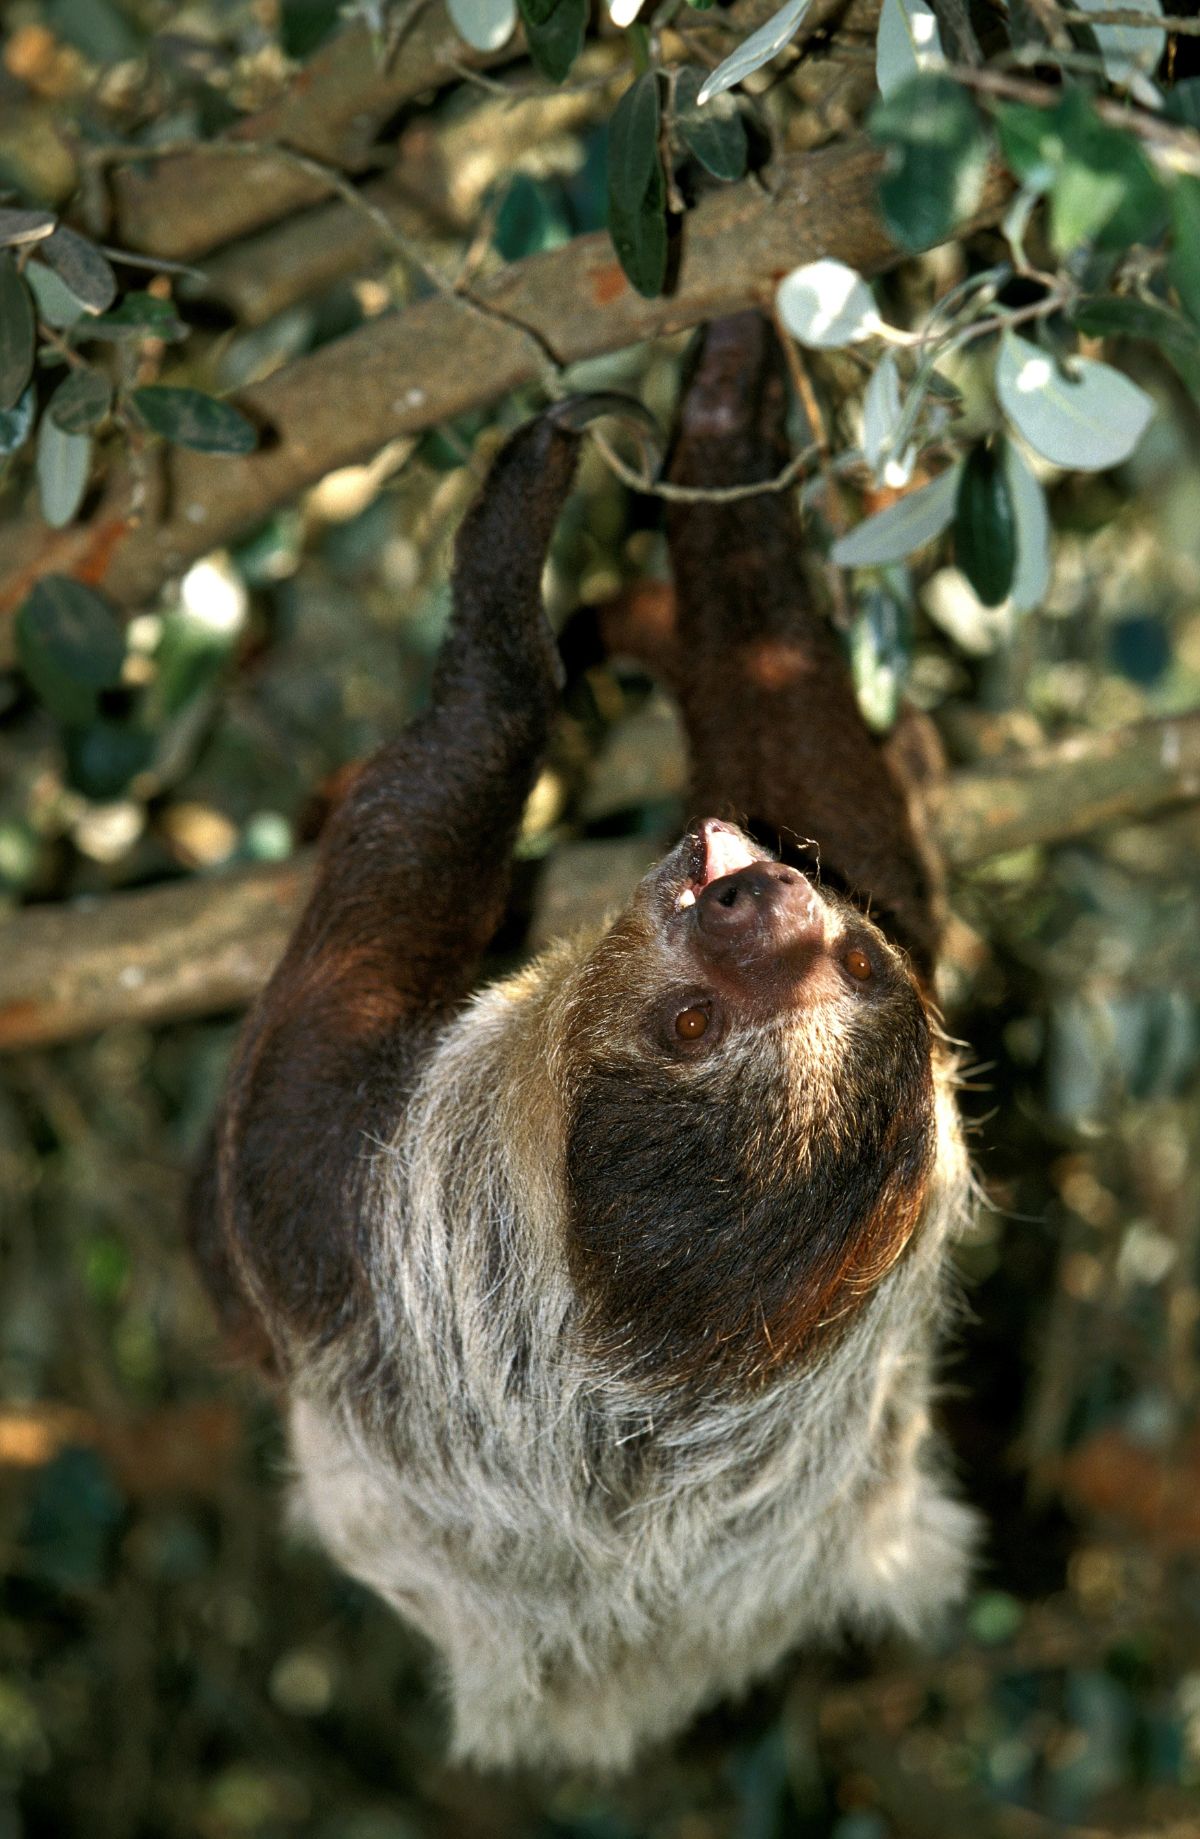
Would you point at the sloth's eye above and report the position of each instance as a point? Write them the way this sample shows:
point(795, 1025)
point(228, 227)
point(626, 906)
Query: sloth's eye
point(858, 964)
point(690, 1024)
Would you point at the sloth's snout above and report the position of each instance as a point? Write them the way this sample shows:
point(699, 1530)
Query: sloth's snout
point(766, 903)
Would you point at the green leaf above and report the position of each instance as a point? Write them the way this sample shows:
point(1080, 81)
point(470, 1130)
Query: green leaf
point(484, 24)
point(1089, 418)
point(1102, 188)
point(57, 306)
point(105, 755)
point(908, 41)
point(16, 423)
point(936, 159)
point(81, 268)
point(17, 333)
point(880, 654)
point(81, 401)
point(1126, 50)
point(715, 134)
point(909, 524)
point(637, 192)
point(757, 50)
point(69, 645)
point(1182, 104)
point(191, 419)
point(1031, 576)
point(138, 316)
point(555, 41)
point(1184, 266)
point(63, 464)
point(985, 536)
point(1111, 317)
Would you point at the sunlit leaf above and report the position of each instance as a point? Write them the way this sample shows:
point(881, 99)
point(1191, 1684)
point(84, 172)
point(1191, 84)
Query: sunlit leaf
point(17, 333)
point(880, 653)
point(1031, 575)
point(883, 413)
point(936, 159)
point(57, 306)
point(637, 192)
point(485, 24)
point(1101, 186)
point(69, 645)
point(714, 134)
point(985, 537)
point(1088, 418)
point(908, 42)
point(826, 305)
point(63, 464)
point(191, 419)
point(757, 50)
point(909, 524)
point(1126, 50)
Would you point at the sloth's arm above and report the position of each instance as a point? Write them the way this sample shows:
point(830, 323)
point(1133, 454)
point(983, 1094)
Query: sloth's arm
point(412, 881)
point(776, 736)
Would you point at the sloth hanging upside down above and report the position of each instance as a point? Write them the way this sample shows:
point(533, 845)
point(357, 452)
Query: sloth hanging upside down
point(603, 1301)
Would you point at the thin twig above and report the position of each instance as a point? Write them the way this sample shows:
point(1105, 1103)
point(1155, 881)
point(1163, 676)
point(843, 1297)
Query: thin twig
point(1130, 16)
point(700, 494)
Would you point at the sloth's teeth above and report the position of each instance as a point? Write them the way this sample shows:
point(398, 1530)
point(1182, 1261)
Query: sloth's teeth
point(686, 899)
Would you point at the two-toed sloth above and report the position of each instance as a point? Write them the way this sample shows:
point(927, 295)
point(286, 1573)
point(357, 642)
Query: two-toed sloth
point(603, 1301)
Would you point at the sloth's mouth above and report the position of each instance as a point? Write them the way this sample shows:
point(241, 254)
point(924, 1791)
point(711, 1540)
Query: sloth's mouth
point(717, 850)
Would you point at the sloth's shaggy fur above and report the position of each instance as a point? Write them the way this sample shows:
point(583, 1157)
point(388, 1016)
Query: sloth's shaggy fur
point(593, 1562)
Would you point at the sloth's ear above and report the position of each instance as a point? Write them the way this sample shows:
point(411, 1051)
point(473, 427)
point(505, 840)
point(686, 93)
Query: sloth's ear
point(411, 884)
point(776, 736)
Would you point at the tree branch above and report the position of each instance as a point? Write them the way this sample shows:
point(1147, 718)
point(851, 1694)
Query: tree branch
point(408, 371)
point(206, 945)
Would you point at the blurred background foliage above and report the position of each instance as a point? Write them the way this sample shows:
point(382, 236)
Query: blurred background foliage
point(172, 1661)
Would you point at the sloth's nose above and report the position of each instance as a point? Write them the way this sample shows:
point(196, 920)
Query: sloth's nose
point(766, 902)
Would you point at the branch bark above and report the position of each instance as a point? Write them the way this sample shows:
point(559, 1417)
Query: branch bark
point(202, 946)
point(406, 372)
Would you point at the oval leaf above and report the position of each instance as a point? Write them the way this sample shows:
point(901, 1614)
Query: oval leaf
point(56, 304)
point(69, 645)
point(883, 414)
point(484, 24)
point(911, 522)
point(17, 227)
point(63, 464)
point(81, 402)
point(637, 192)
point(80, 267)
point(715, 135)
point(985, 534)
point(192, 419)
point(1088, 419)
point(1031, 576)
point(1127, 51)
point(908, 42)
point(757, 50)
point(1184, 268)
point(826, 305)
point(17, 331)
point(936, 159)
point(554, 33)
point(880, 654)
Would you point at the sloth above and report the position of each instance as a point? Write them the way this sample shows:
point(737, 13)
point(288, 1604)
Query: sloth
point(603, 1302)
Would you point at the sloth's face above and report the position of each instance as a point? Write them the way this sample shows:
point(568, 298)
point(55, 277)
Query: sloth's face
point(751, 1126)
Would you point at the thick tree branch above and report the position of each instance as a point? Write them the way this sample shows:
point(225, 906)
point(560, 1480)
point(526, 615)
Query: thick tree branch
point(202, 946)
point(408, 371)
